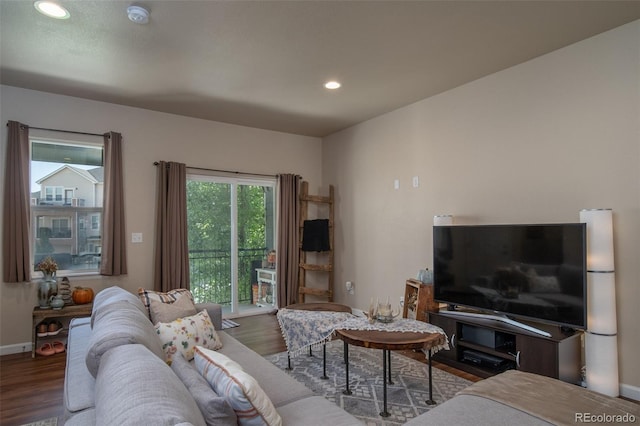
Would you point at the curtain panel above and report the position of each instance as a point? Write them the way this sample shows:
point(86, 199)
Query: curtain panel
point(288, 238)
point(172, 251)
point(114, 256)
point(16, 224)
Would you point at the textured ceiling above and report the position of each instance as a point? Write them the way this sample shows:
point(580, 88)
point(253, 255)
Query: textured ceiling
point(263, 63)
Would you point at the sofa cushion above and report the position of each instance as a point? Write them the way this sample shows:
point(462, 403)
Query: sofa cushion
point(133, 387)
point(120, 327)
point(78, 381)
point(167, 312)
point(318, 411)
point(214, 408)
point(280, 388)
point(184, 334)
point(242, 391)
point(168, 297)
point(113, 294)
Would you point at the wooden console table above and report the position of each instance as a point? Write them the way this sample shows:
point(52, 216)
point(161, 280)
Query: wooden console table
point(68, 311)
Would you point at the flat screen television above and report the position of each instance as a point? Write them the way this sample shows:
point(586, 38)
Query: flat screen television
point(535, 272)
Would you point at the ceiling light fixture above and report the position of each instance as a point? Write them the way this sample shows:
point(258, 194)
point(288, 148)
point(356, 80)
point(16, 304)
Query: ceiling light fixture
point(51, 9)
point(332, 85)
point(138, 14)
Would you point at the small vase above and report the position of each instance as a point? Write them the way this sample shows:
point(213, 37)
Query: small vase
point(47, 287)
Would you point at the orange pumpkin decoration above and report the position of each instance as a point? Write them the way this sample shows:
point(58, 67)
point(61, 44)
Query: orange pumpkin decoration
point(82, 295)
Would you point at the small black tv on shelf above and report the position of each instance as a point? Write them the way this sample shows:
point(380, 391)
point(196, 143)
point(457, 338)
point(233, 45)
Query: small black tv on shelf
point(534, 272)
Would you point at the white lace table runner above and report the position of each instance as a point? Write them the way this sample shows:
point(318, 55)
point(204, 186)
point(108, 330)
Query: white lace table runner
point(303, 329)
point(397, 325)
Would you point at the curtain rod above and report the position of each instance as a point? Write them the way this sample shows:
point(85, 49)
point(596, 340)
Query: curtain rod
point(67, 131)
point(225, 171)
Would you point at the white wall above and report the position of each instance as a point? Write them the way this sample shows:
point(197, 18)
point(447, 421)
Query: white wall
point(147, 137)
point(535, 143)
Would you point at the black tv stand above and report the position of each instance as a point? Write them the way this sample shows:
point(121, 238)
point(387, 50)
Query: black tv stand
point(486, 346)
point(501, 318)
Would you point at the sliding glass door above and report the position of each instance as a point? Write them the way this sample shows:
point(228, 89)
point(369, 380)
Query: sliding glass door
point(231, 228)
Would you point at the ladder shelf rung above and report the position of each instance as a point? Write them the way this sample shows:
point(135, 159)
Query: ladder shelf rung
point(314, 267)
point(314, 291)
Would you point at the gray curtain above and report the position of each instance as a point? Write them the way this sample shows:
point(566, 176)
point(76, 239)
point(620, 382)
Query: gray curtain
point(288, 239)
point(114, 255)
point(16, 224)
point(172, 251)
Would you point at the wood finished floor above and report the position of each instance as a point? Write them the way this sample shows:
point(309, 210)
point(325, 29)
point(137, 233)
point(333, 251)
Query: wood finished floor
point(31, 389)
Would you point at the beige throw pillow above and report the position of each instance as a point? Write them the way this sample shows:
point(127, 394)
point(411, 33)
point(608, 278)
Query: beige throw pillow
point(167, 312)
point(170, 296)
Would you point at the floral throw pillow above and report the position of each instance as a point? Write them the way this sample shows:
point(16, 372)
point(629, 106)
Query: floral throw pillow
point(183, 334)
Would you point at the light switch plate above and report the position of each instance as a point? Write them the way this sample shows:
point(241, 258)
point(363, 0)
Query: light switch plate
point(136, 237)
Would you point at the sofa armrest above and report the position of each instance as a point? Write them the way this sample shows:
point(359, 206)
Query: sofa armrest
point(215, 313)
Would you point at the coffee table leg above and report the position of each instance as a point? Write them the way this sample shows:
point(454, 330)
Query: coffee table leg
point(288, 361)
point(346, 368)
point(389, 366)
point(430, 401)
point(324, 361)
point(384, 412)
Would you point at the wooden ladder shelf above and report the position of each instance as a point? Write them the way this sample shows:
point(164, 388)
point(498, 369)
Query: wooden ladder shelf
point(327, 267)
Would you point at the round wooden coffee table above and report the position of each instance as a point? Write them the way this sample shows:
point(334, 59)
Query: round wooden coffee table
point(389, 341)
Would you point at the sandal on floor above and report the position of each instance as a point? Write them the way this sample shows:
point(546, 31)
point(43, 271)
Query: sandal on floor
point(58, 346)
point(42, 329)
point(55, 327)
point(45, 350)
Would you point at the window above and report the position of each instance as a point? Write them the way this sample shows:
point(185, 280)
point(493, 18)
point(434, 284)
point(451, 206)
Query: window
point(231, 228)
point(67, 181)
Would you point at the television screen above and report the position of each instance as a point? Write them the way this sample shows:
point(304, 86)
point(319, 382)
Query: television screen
point(535, 272)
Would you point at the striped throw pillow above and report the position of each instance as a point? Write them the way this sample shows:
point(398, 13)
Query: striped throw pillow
point(242, 392)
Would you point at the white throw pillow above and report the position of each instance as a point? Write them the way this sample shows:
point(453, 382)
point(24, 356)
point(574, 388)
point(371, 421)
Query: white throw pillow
point(183, 334)
point(227, 378)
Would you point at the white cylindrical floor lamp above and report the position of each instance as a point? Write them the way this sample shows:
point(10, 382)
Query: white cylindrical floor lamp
point(601, 345)
point(443, 220)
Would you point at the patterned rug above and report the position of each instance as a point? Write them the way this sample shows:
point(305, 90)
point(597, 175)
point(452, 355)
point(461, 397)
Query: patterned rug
point(405, 398)
point(53, 421)
point(226, 323)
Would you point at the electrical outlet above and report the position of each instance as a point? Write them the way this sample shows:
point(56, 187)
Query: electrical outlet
point(136, 237)
point(349, 287)
point(402, 301)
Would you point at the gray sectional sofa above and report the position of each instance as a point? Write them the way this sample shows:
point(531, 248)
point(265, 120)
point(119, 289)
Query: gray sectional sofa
point(116, 374)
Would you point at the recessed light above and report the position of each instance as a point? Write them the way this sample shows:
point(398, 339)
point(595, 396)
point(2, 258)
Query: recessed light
point(51, 9)
point(332, 85)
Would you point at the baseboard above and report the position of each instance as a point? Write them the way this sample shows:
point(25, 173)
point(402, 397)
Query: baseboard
point(15, 348)
point(631, 392)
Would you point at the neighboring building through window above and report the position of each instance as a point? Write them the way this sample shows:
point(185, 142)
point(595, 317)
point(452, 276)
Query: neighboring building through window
point(67, 185)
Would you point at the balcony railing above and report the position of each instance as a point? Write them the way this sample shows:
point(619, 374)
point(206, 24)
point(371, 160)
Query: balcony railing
point(210, 272)
point(64, 202)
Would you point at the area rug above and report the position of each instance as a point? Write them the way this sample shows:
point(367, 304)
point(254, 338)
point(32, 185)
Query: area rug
point(405, 398)
point(53, 421)
point(229, 324)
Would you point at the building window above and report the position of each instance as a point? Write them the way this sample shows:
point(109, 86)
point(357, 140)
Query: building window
point(67, 181)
